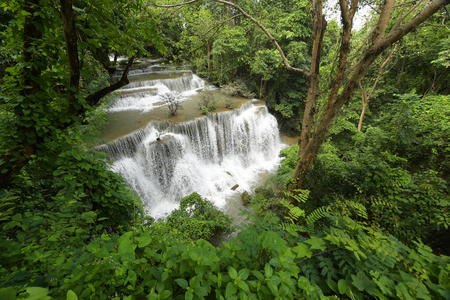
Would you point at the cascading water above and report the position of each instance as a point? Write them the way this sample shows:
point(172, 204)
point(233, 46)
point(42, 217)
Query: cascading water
point(164, 162)
point(146, 85)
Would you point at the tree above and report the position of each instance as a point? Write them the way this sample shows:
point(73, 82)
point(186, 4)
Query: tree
point(173, 101)
point(389, 28)
point(49, 88)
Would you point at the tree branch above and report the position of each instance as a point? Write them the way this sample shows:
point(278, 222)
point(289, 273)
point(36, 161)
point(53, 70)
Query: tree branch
point(175, 5)
point(401, 31)
point(95, 98)
point(365, 97)
point(383, 21)
point(405, 15)
point(215, 26)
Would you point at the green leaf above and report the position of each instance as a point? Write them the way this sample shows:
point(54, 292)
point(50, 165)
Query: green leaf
point(76, 154)
point(132, 277)
point(8, 293)
point(164, 276)
point(402, 291)
point(273, 287)
point(316, 243)
point(126, 250)
point(71, 295)
point(363, 283)
point(302, 250)
point(244, 273)
point(189, 295)
point(243, 286)
point(37, 293)
point(268, 270)
point(182, 282)
point(343, 287)
point(144, 240)
point(233, 273)
point(230, 290)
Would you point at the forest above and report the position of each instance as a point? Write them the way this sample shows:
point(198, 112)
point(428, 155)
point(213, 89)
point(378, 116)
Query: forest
point(359, 207)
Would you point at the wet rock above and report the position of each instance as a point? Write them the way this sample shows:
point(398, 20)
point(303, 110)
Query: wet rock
point(245, 198)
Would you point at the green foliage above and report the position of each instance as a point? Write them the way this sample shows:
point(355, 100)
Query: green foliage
point(289, 163)
point(6, 206)
point(266, 63)
point(237, 89)
point(232, 52)
point(197, 218)
point(387, 177)
point(345, 260)
point(297, 220)
point(72, 229)
point(443, 57)
point(207, 102)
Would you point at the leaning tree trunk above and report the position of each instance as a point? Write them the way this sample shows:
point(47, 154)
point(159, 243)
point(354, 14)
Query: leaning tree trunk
point(341, 92)
point(319, 25)
point(343, 85)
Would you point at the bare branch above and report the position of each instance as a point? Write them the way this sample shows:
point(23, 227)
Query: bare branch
point(403, 4)
point(383, 21)
point(215, 26)
point(175, 5)
point(437, 25)
point(407, 14)
point(220, 23)
point(401, 31)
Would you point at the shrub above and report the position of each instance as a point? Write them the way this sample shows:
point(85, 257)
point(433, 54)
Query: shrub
point(173, 101)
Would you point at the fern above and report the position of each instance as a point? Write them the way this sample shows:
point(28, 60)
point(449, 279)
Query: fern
point(6, 206)
point(297, 215)
point(315, 216)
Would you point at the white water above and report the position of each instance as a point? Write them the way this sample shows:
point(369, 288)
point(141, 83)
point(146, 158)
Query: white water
point(164, 162)
point(144, 95)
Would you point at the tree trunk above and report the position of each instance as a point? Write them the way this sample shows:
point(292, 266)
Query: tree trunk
point(26, 136)
point(14, 159)
point(208, 55)
point(72, 53)
point(335, 99)
point(319, 26)
point(365, 102)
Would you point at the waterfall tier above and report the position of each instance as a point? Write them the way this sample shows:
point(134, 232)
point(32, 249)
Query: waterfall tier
point(164, 162)
point(143, 93)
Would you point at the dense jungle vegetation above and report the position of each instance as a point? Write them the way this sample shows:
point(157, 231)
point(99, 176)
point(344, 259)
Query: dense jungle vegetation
point(359, 209)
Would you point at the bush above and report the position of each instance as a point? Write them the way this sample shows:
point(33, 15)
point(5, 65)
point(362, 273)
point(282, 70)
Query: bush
point(237, 89)
point(207, 102)
point(173, 101)
point(198, 218)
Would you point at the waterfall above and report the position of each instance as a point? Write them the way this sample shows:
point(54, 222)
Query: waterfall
point(164, 162)
point(143, 94)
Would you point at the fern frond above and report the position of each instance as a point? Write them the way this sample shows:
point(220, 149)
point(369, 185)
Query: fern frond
point(316, 215)
point(301, 196)
point(296, 212)
point(360, 210)
point(293, 229)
